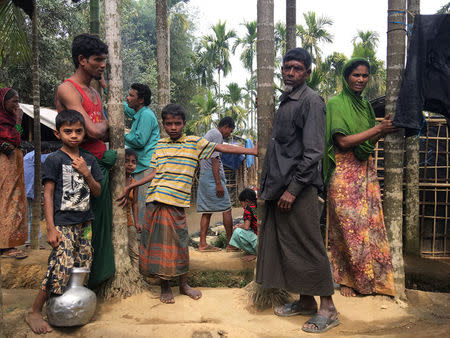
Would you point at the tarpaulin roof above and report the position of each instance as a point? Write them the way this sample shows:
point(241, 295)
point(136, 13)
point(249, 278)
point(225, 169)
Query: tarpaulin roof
point(48, 115)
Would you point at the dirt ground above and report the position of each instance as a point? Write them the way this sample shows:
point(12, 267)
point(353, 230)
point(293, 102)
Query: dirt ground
point(224, 312)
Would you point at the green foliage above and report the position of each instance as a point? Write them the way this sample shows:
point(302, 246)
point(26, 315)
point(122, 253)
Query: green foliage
point(204, 108)
point(217, 279)
point(444, 9)
point(59, 22)
point(364, 45)
point(221, 241)
point(14, 44)
point(314, 32)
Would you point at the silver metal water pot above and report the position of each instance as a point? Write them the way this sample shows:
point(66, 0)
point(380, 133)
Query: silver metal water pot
point(76, 305)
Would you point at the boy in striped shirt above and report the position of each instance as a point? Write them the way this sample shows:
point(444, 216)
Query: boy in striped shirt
point(164, 249)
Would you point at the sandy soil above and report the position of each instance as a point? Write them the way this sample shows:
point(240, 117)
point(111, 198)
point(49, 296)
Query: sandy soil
point(225, 313)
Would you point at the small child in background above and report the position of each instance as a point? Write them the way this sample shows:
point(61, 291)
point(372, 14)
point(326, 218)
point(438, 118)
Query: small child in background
point(245, 235)
point(131, 158)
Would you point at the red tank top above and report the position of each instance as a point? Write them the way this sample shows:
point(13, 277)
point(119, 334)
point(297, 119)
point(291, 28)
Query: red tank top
point(96, 147)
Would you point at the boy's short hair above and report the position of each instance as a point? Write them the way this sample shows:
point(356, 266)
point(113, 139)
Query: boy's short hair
point(87, 45)
point(131, 152)
point(173, 109)
point(247, 195)
point(143, 92)
point(69, 117)
point(227, 121)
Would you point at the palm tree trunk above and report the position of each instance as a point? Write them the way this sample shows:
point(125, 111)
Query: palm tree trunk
point(36, 204)
point(94, 17)
point(94, 29)
point(1, 303)
point(393, 144)
point(265, 57)
point(291, 26)
point(126, 281)
point(252, 106)
point(162, 55)
point(412, 232)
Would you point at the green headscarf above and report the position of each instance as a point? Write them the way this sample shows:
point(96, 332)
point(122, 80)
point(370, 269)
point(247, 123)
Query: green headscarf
point(348, 113)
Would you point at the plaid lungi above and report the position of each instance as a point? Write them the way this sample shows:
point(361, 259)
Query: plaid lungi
point(164, 248)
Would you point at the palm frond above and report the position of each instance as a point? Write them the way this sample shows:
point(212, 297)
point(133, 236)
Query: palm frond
point(14, 45)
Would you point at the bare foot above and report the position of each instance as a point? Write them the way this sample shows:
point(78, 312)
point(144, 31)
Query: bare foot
point(347, 292)
point(208, 248)
point(166, 293)
point(248, 258)
point(37, 324)
point(185, 289)
point(231, 248)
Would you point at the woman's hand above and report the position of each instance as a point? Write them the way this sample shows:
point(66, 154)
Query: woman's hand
point(18, 114)
point(386, 126)
point(123, 199)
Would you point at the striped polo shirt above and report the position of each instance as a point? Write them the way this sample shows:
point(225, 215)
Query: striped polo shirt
point(175, 163)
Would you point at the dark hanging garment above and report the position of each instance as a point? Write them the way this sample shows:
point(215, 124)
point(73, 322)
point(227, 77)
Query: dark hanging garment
point(426, 82)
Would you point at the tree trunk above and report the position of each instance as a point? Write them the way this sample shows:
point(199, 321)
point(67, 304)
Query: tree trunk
point(393, 144)
point(162, 55)
point(1, 303)
point(36, 204)
point(291, 26)
point(94, 29)
point(94, 17)
point(265, 57)
point(126, 280)
point(412, 226)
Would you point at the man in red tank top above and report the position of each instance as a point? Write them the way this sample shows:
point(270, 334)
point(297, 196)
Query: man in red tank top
point(89, 57)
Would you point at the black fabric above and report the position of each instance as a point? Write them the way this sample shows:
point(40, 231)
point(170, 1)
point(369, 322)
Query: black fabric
point(426, 82)
point(71, 197)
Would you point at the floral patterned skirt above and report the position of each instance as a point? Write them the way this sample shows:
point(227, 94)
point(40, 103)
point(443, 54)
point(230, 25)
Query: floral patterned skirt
point(13, 202)
point(359, 245)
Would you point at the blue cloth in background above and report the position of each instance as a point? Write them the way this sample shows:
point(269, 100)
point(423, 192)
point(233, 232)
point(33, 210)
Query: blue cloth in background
point(250, 158)
point(232, 161)
point(28, 169)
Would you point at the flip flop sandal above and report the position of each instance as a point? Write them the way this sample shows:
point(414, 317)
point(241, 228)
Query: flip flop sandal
point(15, 253)
point(292, 309)
point(322, 324)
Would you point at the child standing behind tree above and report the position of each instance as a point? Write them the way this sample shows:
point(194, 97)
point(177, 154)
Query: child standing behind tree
point(134, 227)
point(245, 235)
point(70, 175)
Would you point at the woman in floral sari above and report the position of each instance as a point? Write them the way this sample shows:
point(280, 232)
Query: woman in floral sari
point(13, 208)
point(360, 251)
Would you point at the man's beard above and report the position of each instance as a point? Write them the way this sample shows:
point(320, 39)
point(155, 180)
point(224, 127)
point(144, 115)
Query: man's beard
point(287, 88)
point(97, 77)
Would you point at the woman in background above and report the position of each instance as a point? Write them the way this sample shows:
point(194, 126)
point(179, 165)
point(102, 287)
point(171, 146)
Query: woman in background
point(13, 207)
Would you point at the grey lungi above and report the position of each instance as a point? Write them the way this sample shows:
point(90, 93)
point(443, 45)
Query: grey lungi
point(291, 252)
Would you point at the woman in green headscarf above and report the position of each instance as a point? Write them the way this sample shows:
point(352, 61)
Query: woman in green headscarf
point(359, 246)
